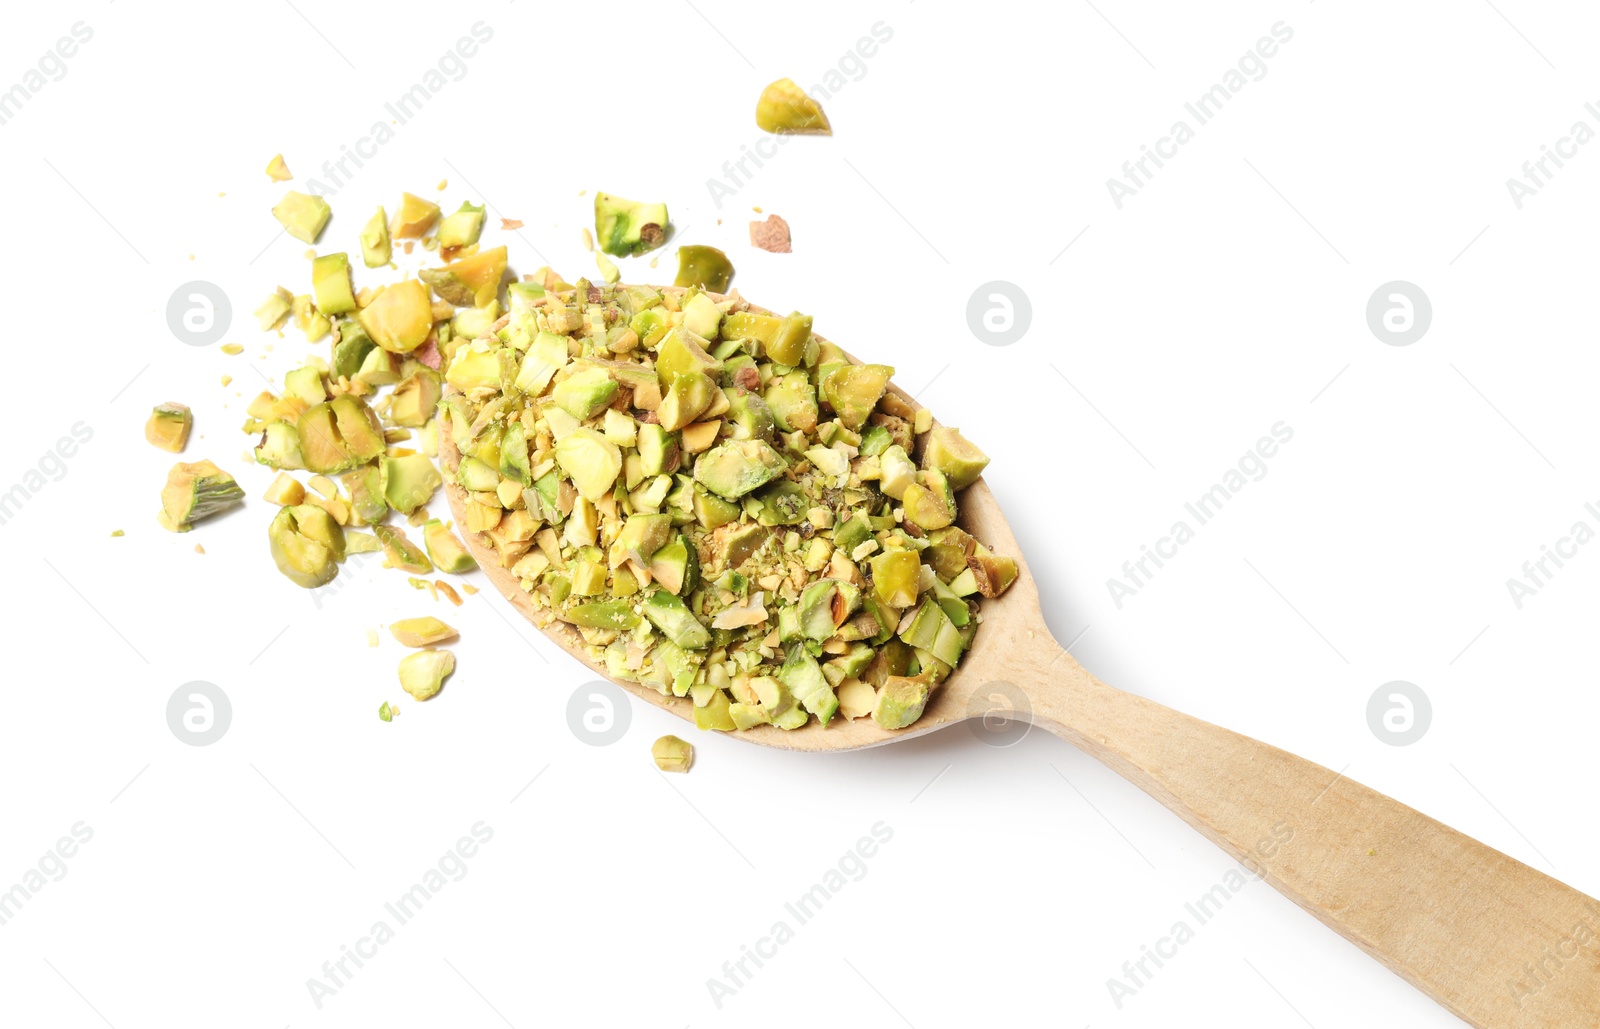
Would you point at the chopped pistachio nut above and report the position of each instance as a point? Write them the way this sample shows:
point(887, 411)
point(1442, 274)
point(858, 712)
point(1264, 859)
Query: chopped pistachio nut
point(307, 545)
point(195, 491)
point(168, 426)
point(672, 754)
point(462, 228)
point(274, 309)
point(703, 266)
point(413, 218)
point(118, 532)
point(717, 506)
point(385, 712)
point(303, 216)
point(277, 170)
point(421, 632)
point(361, 543)
point(285, 491)
point(447, 552)
point(785, 108)
point(423, 673)
point(627, 227)
point(232, 349)
point(473, 281)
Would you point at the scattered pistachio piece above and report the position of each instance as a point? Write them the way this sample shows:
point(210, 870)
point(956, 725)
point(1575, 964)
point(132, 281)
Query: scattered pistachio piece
point(372, 636)
point(277, 170)
point(117, 532)
point(463, 228)
point(771, 235)
point(303, 216)
point(421, 632)
point(275, 309)
point(672, 754)
point(194, 492)
point(424, 672)
point(285, 491)
point(703, 266)
point(785, 108)
point(361, 543)
point(168, 426)
point(307, 545)
point(413, 218)
point(385, 713)
point(627, 227)
point(232, 349)
point(448, 553)
point(449, 591)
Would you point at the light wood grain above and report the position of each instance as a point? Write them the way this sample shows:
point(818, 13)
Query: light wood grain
point(1498, 943)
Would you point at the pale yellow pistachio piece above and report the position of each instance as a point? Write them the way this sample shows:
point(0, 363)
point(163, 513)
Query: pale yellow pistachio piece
point(277, 170)
point(285, 491)
point(672, 754)
point(421, 632)
point(423, 673)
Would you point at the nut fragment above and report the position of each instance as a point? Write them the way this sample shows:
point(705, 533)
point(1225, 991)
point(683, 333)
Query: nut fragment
point(771, 235)
point(672, 754)
point(421, 632)
point(423, 673)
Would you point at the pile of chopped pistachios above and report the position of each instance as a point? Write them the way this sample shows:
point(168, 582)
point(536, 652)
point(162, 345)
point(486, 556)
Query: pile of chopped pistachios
point(719, 504)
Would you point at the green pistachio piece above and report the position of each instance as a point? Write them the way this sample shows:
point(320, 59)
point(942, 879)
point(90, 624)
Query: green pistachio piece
point(307, 545)
point(948, 451)
point(195, 491)
point(705, 267)
point(626, 227)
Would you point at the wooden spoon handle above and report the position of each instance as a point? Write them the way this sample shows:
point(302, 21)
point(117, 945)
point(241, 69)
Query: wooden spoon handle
point(1499, 944)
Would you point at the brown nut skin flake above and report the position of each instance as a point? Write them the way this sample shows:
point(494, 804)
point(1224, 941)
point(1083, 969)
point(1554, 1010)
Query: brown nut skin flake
point(771, 235)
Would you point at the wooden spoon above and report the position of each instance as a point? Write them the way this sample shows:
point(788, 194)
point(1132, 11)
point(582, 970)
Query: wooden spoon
point(1499, 944)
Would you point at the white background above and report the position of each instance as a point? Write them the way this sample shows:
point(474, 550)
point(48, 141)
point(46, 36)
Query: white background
point(1226, 296)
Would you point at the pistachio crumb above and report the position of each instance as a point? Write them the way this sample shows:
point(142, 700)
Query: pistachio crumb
point(117, 532)
point(232, 349)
